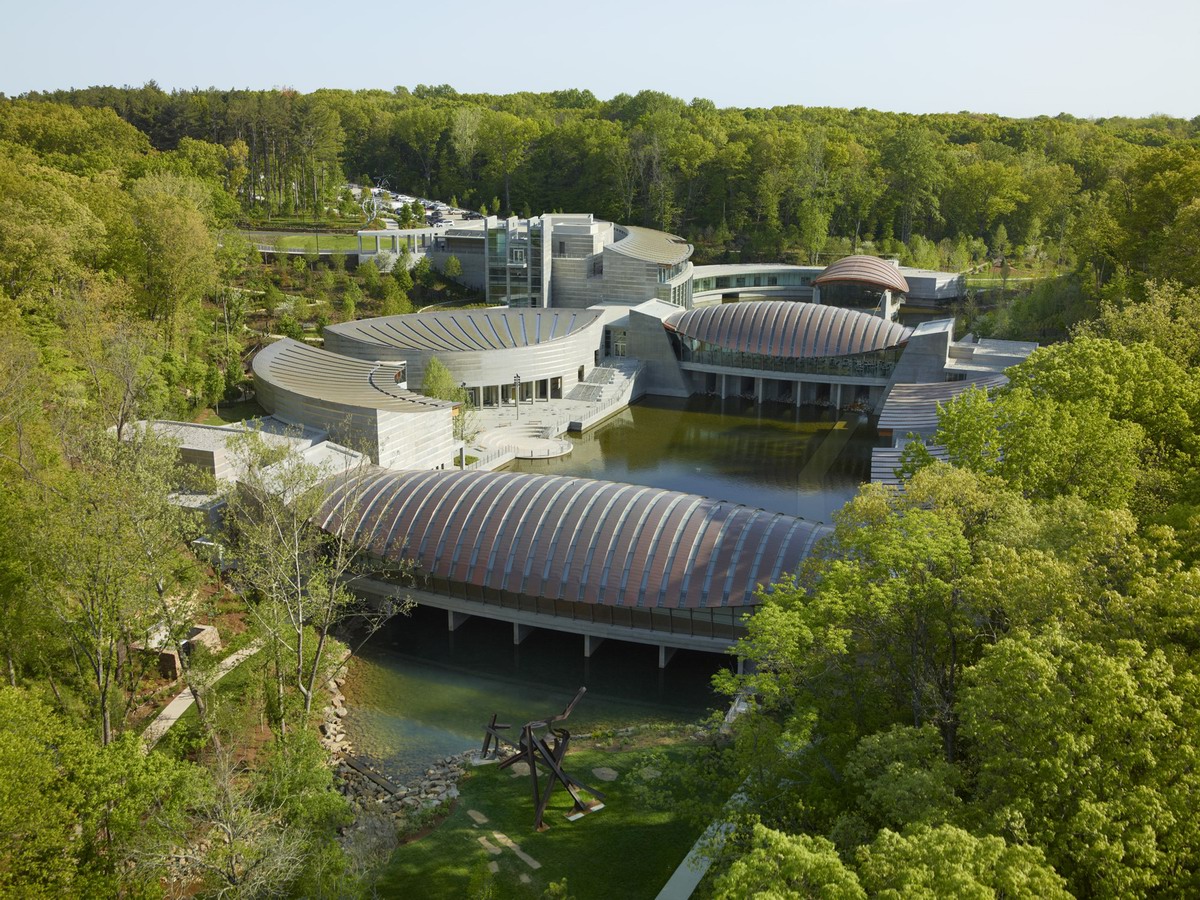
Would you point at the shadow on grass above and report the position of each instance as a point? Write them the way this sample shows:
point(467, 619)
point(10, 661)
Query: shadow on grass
point(628, 849)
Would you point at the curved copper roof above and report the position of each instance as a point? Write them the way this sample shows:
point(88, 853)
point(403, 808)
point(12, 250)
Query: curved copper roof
point(572, 539)
point(787, 329)
point(864, 270)
point(333, 378)
point(468, 329)
point(650, 245)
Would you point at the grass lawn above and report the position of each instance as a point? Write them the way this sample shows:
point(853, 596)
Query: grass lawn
point(628, 849)
point(280, 222)
point(327, 242)
point(228, 413)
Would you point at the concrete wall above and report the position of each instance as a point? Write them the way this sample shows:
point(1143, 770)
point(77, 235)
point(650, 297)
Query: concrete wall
point(558, 358)
point(628, 280)
point(423, 440)
point(470, 253)
point(572, 285)
point(554, 359)
point(648, 341)
point(397, 440)
point(924, 358)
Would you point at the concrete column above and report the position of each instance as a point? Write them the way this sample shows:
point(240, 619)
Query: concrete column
point(797, 389)
point(758, 389)
point(664, 655)
point(376, 243)
point(455, 619)
point(590, 644)
point(724, 393)
point(520, 632)
point(837, 397)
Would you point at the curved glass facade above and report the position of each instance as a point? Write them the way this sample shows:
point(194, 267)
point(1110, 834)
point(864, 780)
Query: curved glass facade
point(751, 280)
point(852, 296)
point(874, 364)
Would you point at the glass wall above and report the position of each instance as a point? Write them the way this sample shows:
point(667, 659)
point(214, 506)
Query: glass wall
point(851, 296)
point(751, 280)
point(514, 265)
point(877, 364)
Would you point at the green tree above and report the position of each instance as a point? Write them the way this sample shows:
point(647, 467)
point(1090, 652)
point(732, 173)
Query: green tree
point(1096, 762)
point(297, 574)
point(178, 258)
point(439, 383)
point(1043, 448)
point(950, 862)
point(1165, 317)
point(504, 139)
point(785, 866)
point(79, 819)
point(402, 274)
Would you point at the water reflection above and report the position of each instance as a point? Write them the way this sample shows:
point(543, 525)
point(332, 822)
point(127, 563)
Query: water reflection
point(806, 462)
point(419, 692)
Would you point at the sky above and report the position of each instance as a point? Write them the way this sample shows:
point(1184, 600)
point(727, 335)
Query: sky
point(1089, 58)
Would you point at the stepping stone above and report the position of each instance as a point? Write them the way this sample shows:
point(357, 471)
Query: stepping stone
point(520, 769)
point(478, 817)
point(525, 879)
point(493, 867)
point(604, 773)
point(521, 854)
point(489, 846)
point(650, 773)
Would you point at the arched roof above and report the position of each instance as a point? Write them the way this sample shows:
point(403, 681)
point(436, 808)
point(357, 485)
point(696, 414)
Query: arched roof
point(868, 270)
point(572, 539)
point(788, 329)
point(468, 329)
point(332, 378)
point(650, 245)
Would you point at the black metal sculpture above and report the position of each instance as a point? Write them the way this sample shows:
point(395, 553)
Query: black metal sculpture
point(543, 745)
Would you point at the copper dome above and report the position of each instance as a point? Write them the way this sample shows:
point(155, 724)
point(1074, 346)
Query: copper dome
point(868, 270)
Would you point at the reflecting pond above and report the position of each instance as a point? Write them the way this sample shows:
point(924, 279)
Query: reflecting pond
point(418, 691)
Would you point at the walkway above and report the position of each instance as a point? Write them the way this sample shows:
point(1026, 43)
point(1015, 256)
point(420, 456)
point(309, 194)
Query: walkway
point(527, 441)
point(534, 431)
point(177, 707)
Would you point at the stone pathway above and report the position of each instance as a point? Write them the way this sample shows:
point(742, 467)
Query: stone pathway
point(489, 846)
point(183, 701)
point(515, 848)
point(604, 773)
point(478, 817)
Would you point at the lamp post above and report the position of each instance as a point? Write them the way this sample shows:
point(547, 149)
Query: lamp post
point(517, 395)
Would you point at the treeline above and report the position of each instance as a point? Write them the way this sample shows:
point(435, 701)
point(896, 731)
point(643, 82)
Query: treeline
point(119, 302)
point(1017, 708)
point(1112, 197)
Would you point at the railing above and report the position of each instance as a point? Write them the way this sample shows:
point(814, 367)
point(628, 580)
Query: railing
point(721, 623)
point(493, 456)
point(622, 398)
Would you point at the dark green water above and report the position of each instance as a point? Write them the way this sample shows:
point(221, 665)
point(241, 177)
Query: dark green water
point(805, 462)
point(417, 691)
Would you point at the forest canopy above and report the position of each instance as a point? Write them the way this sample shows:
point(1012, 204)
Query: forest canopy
point(987, 682)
